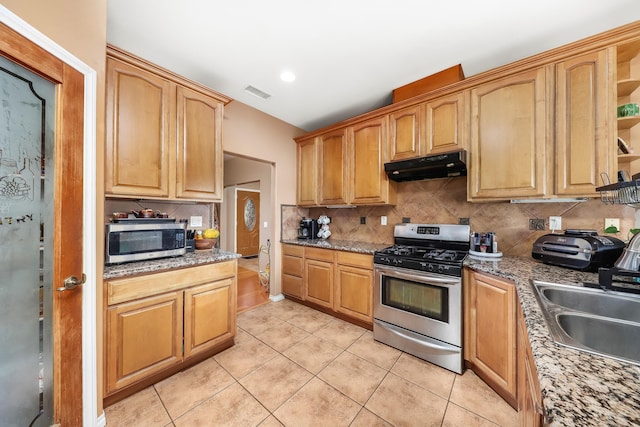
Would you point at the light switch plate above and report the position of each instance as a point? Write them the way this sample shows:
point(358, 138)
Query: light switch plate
point(195, 221)
point(555, 223)
point(383, 220)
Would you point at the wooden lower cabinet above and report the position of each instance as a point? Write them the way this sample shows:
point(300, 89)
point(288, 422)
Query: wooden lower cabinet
point(354, 286)
point(318, 276)
point(143, 338)
point(530, 408)
point(208, 315)
point(336, 282)
point(293, 270)
point(490, 331)
point(157, 324)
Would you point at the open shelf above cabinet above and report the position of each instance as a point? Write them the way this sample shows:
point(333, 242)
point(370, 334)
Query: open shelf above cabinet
point(627, 158)
point(627, 87)
point(628, 122)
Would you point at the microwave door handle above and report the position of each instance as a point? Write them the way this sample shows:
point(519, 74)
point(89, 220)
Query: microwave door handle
point(431, 279)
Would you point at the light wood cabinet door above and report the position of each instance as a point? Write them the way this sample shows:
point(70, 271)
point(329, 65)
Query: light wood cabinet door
point(508, 134)
point(530, 408)
point(368, 182)
point(139, 110)
point(332, 167)
point(490, 332)
point(209, 315)
point(445, 124)
point(354, 297)
point(405, 132)
point(318, 281)
point(199, 146)
point(143, 337)
point(307, 172)
point(584, 129)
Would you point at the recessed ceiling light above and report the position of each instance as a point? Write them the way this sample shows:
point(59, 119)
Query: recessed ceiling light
point(287, 76)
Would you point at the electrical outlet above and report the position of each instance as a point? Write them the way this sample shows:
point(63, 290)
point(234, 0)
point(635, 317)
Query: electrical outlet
point(406, 220)
point(612, 222)
point(363, 220)
point(536, 224)
point(555, 223)
point(383, 220)
point(464, 221)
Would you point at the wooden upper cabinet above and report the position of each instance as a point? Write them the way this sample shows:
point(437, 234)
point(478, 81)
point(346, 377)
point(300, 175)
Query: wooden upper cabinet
point(164, 133)
point(139, 110)
point(405, 137)
point(508, 135)
point(584, 131)
point(368, 182)
point(332, 167)
point(307, 172)
point(445, 124)
point(199, 149)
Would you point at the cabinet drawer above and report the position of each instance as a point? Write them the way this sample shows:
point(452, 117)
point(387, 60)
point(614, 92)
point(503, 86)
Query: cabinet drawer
point(293, 266)
point(355, 259)
point(293, 250)
point(131, 288)
point(292, 285)
point(319, 254)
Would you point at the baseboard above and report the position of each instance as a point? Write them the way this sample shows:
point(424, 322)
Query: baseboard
point(276, 298)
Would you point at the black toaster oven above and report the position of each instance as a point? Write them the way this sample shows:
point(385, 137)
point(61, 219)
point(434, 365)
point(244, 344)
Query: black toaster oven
point(578, 249)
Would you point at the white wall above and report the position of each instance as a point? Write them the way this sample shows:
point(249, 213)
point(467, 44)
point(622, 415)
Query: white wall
point(252, 134)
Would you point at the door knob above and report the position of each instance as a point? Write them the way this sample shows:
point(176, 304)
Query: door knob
point(72, 282)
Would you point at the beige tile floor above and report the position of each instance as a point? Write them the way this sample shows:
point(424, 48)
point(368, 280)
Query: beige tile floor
point(294, 366)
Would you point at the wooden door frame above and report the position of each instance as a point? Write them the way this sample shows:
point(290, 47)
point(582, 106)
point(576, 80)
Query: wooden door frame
point(35, 41)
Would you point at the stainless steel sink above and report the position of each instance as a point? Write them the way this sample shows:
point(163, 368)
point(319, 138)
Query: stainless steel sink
point(592, 320)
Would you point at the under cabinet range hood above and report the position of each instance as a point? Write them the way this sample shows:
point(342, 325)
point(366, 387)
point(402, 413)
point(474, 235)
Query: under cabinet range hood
point(429, 167)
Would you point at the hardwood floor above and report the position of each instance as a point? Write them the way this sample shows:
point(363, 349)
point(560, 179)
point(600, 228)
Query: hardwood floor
point(251, 293)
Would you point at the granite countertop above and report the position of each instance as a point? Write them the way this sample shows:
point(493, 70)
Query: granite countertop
point(339, 245)
point(578, 388)
point(190, 259)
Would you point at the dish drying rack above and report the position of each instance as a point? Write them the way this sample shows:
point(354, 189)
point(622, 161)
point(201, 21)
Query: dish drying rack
point(620, 193)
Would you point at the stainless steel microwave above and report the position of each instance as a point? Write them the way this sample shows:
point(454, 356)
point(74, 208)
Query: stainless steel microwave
point(144, 240)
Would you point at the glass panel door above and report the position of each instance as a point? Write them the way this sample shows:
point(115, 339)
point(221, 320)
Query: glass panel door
point(27, 129)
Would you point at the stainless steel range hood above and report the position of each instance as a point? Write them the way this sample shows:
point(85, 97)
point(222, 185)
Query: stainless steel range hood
point(428, 167)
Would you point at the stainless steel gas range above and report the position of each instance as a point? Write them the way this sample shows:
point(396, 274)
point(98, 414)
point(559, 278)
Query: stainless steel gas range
point(418, 292)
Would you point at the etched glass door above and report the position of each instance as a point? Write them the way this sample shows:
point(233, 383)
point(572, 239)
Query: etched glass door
point(27, 131)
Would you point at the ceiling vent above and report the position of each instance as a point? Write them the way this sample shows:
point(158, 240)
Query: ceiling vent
point(257, 92)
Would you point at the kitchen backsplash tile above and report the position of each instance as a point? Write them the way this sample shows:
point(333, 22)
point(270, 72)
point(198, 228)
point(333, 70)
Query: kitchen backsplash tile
point(445, 201)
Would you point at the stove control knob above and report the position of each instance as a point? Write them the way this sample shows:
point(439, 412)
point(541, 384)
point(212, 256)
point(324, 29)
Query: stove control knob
point(440, 268)
point(430, 267)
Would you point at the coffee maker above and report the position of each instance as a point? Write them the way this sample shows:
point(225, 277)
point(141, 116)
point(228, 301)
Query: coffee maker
point(308, 228)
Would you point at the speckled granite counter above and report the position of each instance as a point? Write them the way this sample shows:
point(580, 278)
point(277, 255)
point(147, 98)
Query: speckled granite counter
point(578, 389)
point(153, 266)
point(339, 245)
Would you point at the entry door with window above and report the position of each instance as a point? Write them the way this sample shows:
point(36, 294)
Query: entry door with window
point(247, 222)
point(41, 149)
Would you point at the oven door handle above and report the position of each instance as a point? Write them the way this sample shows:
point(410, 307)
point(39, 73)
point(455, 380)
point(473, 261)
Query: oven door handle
point(443, 347)
point(431, 278)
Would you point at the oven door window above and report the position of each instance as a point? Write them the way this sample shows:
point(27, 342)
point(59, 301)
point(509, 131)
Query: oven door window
point(418, 298)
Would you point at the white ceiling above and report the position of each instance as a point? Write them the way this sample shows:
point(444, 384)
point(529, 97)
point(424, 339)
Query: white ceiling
point(348, 55)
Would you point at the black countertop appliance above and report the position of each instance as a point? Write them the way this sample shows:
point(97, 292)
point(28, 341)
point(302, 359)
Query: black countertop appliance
point(578, 249)
point(308, 229)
